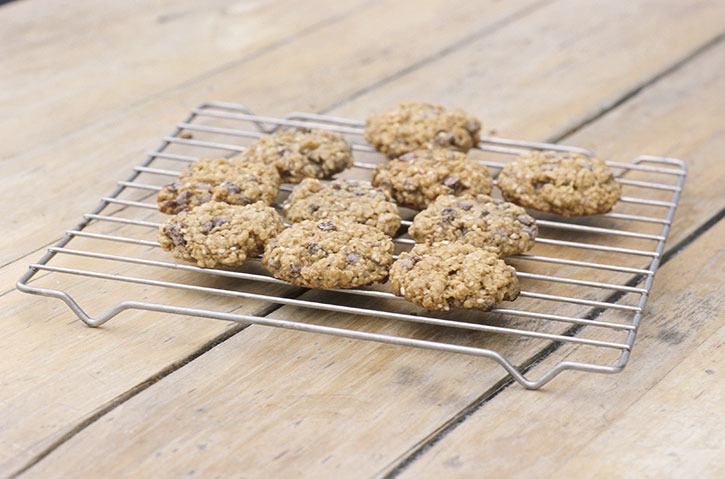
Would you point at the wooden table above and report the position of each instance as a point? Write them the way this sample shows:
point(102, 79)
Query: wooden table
point(86, 89)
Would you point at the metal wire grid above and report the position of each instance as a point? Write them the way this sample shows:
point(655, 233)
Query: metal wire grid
point(198, 123)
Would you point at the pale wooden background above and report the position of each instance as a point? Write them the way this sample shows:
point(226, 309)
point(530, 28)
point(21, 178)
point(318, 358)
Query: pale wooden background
point(86, 88)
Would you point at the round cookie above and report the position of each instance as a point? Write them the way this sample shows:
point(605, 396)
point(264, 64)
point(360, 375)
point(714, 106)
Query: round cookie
point(417, 178)
point(219, 234)
point(479, 220)
point(346, 200)
point(445, 275)
point(230, 181)
point(329, 254)
point(411, 126)
point(568, 184)
point(302, 153)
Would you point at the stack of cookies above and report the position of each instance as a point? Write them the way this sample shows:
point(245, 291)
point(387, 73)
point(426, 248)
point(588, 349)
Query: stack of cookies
point(341, 230)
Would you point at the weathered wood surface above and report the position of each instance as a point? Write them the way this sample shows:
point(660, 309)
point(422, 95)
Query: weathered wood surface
point(661, 417)
point(340, 406)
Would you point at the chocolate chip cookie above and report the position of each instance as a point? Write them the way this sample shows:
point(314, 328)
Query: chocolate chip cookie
point(479, 220)
point(568, 184)
point(347, 200)
point(230, 181)
point(302, 153)
point(329, 254)
point(446, 275)
point(417, 178)
point(219, 234)
point(411, 126)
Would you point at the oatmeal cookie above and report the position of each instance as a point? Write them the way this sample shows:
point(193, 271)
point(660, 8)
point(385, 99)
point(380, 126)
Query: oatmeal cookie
point(445, 275)
point(417, 178)
point(219, 234)
point(302, 153)
point(411, 126)
point(568, 184)
point(346, 200)
point(329, 254)
point(479, 220)
point(228, 181)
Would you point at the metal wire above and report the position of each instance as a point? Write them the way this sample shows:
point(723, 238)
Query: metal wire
point(238, 126)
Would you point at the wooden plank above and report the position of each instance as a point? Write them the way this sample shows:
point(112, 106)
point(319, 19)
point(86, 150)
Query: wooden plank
point(538, 78)
point(127, 52)
point(679, 423)
point(114, 146)
point(661, 417)
point(320, 68)
point(290, 401)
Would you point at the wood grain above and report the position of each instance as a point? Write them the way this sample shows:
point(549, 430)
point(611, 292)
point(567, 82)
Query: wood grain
point(661, 417)
point(282, 400)
point(115, 145)
point(128, 52)
point(307, 74)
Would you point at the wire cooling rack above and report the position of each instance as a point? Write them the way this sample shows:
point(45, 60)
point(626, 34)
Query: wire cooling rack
point(584, 284)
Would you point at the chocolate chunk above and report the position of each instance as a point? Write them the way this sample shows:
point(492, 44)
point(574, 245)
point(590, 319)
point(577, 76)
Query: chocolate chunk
point(314, 248)
point(448, 214)
point(219, 220)
point(183, 198)
point(327, 226)
point(294, 270)
point(231, 187)
point(525, 219)
point(452, 182)
point(313, 207)
point(174, 232)
point(352, 258)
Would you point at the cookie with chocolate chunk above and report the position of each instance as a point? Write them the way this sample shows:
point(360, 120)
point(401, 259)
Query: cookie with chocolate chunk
point(411, 126)
point(230, 181)
point(302, 153)
point(568, 184)
point(416, 179)
point(348, 200)
point(446, 275)
point(219, 234)
point(329, 254)
point(479, 220)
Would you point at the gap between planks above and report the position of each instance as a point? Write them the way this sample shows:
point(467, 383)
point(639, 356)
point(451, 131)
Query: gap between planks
point(516, 15)
point(501, 385)
point(397, 467)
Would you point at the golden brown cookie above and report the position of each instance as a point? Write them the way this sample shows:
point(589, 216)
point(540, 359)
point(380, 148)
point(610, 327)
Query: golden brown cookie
point(230, 181)
point(302, 153)
point(479, 220)
point(411, 126)
point(329, 254)
point(346, 200)
point(446, 275)
point(568, 184)
point(417, 178)
point(219, 234)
